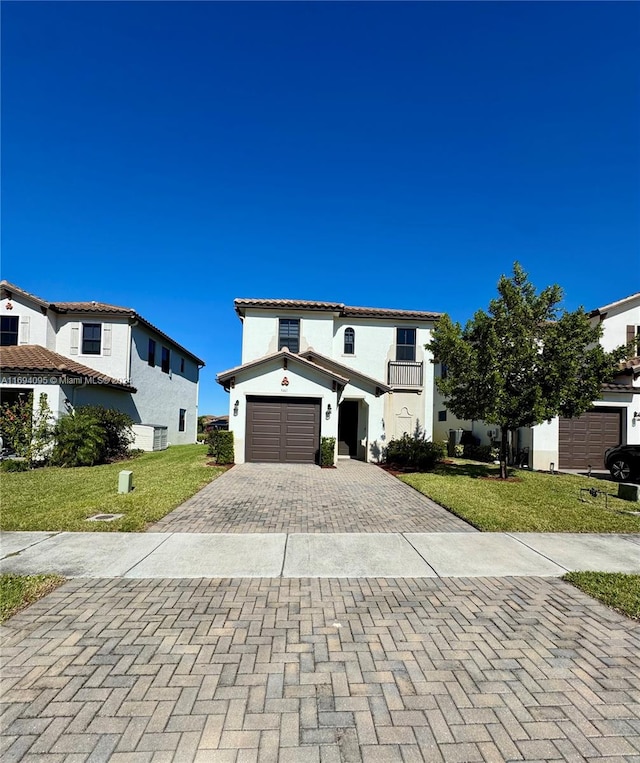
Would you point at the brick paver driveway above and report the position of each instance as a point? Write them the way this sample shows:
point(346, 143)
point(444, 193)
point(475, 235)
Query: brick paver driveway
point(296, 671)
point(300, 498)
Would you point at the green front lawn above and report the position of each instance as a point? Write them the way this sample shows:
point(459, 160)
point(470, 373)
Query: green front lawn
point(18, 591)
point(534, 502)
point(54, 498)
point(616, 590)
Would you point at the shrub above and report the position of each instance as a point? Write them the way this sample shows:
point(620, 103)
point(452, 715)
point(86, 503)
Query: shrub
point(327, 451)
point(415, 452)
point(14, 465)
point(116, 428)
point(79, 440)
point(91, 435)
point(484, 453)
point(220, 443)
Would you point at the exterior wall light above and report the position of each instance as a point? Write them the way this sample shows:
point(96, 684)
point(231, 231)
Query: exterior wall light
point(236, 406)
point(328, 413)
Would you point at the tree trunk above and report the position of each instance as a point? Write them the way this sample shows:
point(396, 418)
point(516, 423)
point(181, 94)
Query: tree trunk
point(504, 446)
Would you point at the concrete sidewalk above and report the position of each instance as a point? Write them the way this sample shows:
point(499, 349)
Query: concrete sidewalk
point(314, 555)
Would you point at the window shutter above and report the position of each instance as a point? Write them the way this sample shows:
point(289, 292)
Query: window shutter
point(75, 340)
point(24, 329)
point(106, 339)
point(631, 335)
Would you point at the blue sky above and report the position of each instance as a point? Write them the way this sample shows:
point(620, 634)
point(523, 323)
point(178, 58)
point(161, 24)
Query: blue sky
point(173, 156)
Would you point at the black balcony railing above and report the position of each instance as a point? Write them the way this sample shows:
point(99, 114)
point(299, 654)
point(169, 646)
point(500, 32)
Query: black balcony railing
point(404, 373)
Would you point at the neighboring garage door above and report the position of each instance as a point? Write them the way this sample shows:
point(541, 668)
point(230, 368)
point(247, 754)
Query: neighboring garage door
point(283, 431)
point(583, 440)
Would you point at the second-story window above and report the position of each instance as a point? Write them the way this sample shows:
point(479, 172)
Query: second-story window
point(8, 330)
point(151, 355)
point(91, 333)
point(166, 360)
point(405, 344)
point(289, 334)
point(181, 365)
point(349, 341)
point(633, 335)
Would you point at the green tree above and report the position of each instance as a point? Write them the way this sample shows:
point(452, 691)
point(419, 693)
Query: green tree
point(26, 431)
point(524, 361)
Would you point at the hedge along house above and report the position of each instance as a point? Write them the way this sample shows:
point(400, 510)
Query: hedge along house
point(323, 369)
point(92, 353)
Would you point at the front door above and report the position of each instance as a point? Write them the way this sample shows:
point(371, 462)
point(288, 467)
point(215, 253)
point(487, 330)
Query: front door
point(348, 428)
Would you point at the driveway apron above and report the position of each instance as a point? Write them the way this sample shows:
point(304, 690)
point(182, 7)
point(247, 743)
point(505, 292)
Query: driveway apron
point(351, 671)
point(276, 665)
point(300, 498)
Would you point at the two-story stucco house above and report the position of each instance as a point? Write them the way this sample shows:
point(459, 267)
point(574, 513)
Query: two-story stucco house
point(91, 353)
point(324, 369)
point(580, 443)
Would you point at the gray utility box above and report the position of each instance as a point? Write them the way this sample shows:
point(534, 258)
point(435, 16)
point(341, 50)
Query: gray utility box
point(125, 481)
point(629, 492)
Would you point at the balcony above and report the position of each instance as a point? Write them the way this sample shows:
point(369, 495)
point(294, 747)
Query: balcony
point(405, 374)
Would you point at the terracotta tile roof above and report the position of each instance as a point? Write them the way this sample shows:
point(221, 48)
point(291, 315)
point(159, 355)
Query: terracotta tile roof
point(341, 368)
point(225, 376)
point(12, 288)
point(34, 359)
point(335, 307)
point(620, 388)
point(290, 304)
point(90, 307)
point(384, 312)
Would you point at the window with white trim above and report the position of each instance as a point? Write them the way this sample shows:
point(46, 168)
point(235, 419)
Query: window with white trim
point(405, 344)
point(289, 334)
point(349, 341)
point(91, 338)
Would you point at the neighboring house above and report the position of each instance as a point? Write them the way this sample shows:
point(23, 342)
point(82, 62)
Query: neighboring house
point(91, 353)
point(615, 418)
point(324, 369)
point(216, 423)
point(580, 443)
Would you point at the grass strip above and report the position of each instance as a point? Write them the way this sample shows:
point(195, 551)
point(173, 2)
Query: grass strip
point(529, 502)
point(18, 591)
point(615, 589)
point(53, 498)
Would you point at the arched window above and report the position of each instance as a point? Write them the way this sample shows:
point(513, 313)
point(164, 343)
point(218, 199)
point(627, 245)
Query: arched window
point(349, 341)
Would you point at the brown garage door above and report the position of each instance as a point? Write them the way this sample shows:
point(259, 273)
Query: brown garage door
point(583, 440)
point(283, 431)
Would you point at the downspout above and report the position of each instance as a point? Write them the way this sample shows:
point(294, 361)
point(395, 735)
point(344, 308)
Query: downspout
point(129, 356)
point(199, 368)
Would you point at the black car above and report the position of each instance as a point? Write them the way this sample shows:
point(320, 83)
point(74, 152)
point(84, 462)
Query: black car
point(623, 462)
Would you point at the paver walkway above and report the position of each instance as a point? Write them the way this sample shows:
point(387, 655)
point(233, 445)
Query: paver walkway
point(299, 498)
point(135, 671)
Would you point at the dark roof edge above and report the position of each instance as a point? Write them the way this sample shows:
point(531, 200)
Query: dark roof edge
point(311, 353)
point(224, 376)
point(347, 311)
point(10, 287)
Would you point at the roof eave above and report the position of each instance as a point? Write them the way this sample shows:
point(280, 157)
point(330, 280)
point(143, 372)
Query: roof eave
point(226, 376)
